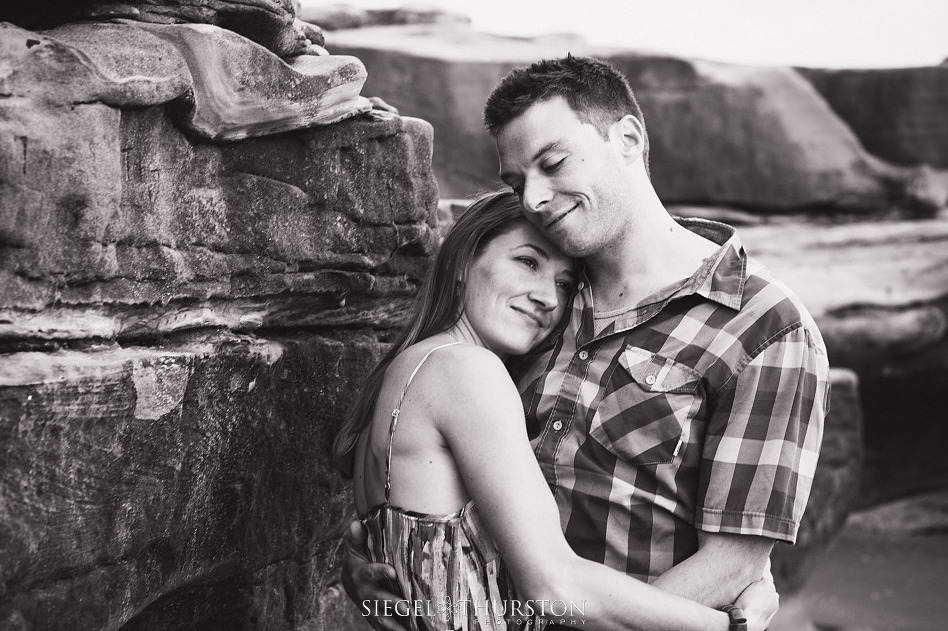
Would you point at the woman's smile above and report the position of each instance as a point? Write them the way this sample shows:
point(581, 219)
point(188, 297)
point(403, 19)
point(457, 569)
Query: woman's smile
point(519, 271)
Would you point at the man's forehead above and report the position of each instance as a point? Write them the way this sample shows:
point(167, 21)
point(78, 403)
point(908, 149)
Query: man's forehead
point(539, 125)
point(527, 144)
point(549, 115)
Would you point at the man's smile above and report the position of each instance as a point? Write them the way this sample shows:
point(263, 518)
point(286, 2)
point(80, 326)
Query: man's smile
point(559, 217)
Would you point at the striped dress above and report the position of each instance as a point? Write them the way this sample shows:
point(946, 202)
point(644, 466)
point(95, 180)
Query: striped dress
point(450, 573)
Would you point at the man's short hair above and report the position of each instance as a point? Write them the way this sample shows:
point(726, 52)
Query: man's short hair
point(594, 89)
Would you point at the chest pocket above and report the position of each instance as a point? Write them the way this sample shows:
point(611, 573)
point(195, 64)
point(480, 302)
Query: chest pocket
point(645, 416)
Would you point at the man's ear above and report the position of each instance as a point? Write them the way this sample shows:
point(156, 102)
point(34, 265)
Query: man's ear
point(632, 135)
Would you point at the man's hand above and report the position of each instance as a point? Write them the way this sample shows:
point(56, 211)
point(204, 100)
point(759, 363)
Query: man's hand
point(367, 583)
point(720, 570)
point(759, 602)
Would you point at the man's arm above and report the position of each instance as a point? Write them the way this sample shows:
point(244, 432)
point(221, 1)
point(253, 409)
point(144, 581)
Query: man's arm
point(720, 570)
point(761, 451)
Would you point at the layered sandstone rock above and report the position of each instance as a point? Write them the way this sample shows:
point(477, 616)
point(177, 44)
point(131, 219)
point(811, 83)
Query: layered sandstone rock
point(242, 90)
point(270, 23)
point(898, 114)
point(122, 229)
point(336, 16)
point(750, 137)
point(219, 85)
point(860, 269)
point(181, 324)
point(185, 485)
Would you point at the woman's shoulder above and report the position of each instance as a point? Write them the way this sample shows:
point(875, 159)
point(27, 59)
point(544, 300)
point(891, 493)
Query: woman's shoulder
point(467, 386)
point(458, 367)
point(462, 359)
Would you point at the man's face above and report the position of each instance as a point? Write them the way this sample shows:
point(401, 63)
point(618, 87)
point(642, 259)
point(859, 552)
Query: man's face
point(571, 181)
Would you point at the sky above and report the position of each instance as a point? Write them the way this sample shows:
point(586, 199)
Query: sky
point(816, 33)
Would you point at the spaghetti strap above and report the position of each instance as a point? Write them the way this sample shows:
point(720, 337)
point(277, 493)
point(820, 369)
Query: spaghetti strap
point(449, 555)
point(395, 413)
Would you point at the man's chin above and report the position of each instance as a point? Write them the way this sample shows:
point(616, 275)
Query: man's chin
point(572, 247)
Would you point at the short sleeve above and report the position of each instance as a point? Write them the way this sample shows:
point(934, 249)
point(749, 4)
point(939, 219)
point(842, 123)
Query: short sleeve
point(763, 439)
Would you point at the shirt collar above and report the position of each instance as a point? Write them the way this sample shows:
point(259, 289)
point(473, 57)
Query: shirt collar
point(720, 278)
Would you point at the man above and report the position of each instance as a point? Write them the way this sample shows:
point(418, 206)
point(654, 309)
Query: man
point(678, 420)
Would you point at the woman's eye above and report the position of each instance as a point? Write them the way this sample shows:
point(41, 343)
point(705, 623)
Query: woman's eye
point(528, 261)
point(565, 286)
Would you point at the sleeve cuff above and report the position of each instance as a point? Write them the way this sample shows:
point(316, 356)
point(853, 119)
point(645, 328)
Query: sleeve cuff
point(745, 523)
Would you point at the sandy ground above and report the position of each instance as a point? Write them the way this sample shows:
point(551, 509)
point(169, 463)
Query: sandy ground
point(881, 583)
point(888, 571)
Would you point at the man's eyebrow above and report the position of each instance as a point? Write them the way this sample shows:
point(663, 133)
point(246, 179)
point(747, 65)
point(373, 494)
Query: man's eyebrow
point(553, 145)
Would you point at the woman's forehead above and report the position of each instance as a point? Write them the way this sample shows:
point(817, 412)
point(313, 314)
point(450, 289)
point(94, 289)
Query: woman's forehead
point(524, 234)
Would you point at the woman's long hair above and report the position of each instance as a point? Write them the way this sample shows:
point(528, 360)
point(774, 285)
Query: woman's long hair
point(437, 308)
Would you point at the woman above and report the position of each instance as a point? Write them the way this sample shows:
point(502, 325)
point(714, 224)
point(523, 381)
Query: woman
point(444, 477)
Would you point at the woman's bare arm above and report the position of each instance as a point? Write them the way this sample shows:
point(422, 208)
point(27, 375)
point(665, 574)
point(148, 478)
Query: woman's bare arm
point(480, 415)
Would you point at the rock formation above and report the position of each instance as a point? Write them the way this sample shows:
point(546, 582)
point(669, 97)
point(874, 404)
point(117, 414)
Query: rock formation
point(775, 144)
point(898, 114)
point(140, 481)
point(270, 23)
point(218, 85)
point(181, 321)
point(333, 17)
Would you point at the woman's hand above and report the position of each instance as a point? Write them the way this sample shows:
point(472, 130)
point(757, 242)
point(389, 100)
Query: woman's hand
point(760, 602)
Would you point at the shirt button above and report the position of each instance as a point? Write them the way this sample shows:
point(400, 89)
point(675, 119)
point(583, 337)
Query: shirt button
point(583, 355)
point(650, 380)
point(557, 425)
point(581, 285)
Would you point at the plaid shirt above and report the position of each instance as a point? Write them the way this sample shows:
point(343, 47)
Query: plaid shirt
point(700, 409)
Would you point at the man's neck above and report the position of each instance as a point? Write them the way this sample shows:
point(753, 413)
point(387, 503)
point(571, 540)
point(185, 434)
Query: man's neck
point(656, 253)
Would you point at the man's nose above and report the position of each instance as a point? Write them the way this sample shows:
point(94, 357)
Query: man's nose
point(536, 193)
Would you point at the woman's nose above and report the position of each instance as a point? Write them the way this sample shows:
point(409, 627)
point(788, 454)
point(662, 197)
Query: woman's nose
point(545, 294)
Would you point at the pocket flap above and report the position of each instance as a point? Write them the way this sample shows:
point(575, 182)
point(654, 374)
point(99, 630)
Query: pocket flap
point(657, 373)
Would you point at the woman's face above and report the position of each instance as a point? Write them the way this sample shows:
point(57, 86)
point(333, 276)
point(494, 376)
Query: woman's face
point(517, 290)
